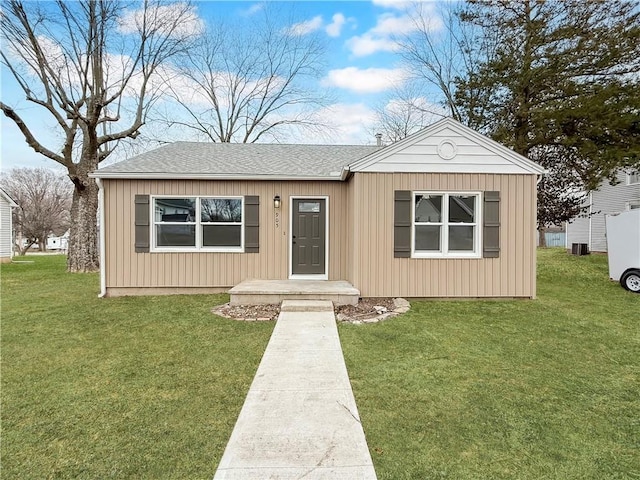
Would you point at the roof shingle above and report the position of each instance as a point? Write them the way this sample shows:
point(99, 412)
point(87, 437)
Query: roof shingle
point(248, 160)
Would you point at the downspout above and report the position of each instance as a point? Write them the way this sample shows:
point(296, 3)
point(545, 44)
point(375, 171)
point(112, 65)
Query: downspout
point(103, 274)
point(590, 216)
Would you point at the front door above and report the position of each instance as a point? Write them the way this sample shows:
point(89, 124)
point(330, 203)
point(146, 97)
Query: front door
point(308, 236)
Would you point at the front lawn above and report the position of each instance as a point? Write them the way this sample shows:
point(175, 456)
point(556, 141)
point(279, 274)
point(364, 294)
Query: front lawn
point(145, 387)
point(544, 389)
point(150, 387)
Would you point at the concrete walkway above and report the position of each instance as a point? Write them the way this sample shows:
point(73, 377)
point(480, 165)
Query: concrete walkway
point(299, 420)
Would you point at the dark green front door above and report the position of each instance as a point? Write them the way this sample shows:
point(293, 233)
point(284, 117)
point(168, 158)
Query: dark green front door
point(308, 236)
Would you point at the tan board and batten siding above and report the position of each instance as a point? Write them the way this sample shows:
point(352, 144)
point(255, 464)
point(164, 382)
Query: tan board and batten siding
point(127, 272)
point(361, 218)
point(360, 238)
point(376, 273)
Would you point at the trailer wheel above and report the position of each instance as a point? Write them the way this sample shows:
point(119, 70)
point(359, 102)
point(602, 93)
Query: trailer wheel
point(630, 280)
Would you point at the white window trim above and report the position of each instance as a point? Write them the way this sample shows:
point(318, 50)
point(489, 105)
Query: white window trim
point(632, 205)
point(444, 238)
point(630, 176)
point(198, 224)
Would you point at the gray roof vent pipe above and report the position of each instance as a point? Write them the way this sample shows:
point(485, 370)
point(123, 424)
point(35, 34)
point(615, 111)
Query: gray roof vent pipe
point(379, 139)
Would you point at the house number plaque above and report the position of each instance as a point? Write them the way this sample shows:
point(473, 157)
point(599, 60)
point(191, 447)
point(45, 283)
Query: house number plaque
point(277, 219)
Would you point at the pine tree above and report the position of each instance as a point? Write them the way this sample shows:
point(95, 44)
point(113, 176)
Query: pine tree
point(561, 87)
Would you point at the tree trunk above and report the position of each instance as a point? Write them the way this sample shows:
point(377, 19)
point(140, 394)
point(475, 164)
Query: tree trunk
point(542, 236)
point(83, 235)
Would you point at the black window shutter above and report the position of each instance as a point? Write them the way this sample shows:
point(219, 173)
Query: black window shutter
point(142, 223)
point(251, 224)
point(402, 224)
point(491, 230)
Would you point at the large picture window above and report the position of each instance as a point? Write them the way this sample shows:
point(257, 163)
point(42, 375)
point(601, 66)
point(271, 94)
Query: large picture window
point(198, 223)
point(446, 224)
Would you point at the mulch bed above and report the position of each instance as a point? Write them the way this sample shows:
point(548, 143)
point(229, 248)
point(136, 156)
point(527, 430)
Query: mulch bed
point(367, 310)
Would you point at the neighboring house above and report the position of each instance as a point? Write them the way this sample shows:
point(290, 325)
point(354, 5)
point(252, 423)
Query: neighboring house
point(6, 226)
point(60, 243)
point(607, 199)
point(445, 212)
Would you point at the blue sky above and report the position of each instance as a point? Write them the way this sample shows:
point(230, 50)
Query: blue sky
point(362, 68)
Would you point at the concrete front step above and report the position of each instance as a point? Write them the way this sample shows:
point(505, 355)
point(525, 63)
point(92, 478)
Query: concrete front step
point(306, 306)
point(272, 292)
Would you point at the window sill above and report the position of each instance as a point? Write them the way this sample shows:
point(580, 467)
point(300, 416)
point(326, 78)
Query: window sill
point(196, 250)
point(447, 256)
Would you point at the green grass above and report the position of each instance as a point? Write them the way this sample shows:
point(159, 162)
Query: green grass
point(543, 389)
point(150, 387)
point(145, 387)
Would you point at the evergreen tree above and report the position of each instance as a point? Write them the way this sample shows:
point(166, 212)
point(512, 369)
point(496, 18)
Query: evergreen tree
point(561, 87)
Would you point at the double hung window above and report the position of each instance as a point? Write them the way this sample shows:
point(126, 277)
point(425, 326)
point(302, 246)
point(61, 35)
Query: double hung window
point(198, 223)
point(446, 224)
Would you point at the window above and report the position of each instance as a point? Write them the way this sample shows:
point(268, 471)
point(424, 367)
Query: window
point(198, 223)
point(446, 225)
point(633, 177)
point(633, 205)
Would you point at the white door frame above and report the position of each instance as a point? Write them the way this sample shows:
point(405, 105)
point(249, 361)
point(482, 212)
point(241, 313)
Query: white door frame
point(325, 275)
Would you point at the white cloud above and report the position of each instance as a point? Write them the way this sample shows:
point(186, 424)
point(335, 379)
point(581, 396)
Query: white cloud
point(389, 24)
point(369, 80)
point(306, 27)
point(335, 27)
point(367, 44)
point(350, 124)
point(162, 18)
point(380, 38)
point(253, 9)
point(399, 4)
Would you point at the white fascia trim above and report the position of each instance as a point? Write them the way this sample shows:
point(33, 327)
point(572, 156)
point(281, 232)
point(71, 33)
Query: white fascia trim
point(207, 176)
point(9, 200)
point(103, 236)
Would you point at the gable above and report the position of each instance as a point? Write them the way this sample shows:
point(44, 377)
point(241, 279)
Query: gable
point(447, 147)
point(7, 199)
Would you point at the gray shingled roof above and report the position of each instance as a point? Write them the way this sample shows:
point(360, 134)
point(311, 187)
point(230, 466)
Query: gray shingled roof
point(243, 160)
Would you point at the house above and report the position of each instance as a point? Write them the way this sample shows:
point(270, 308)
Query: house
point(445, 212)
point(58, 242)
point(6, 226)
point(590, 229)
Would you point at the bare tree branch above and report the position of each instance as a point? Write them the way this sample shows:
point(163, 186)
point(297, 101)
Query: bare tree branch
point(91, 66)
point(241, 84)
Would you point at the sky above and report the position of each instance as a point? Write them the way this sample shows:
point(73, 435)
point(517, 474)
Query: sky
point(362, 69)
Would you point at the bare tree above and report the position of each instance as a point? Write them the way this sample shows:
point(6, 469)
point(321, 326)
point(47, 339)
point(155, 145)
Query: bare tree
point(89, 66)
point(44, 202)
point(440, 50)
point(241, 83)
point(404, 112)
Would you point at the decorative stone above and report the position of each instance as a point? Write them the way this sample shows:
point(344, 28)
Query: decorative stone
point(401, 310)
point(380, 309)
point(401, 302)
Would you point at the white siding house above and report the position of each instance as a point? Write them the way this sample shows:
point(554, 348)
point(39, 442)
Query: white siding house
point(6, 226)
point(608, 199)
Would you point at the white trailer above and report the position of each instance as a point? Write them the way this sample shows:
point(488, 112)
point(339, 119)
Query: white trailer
point(623, 247)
